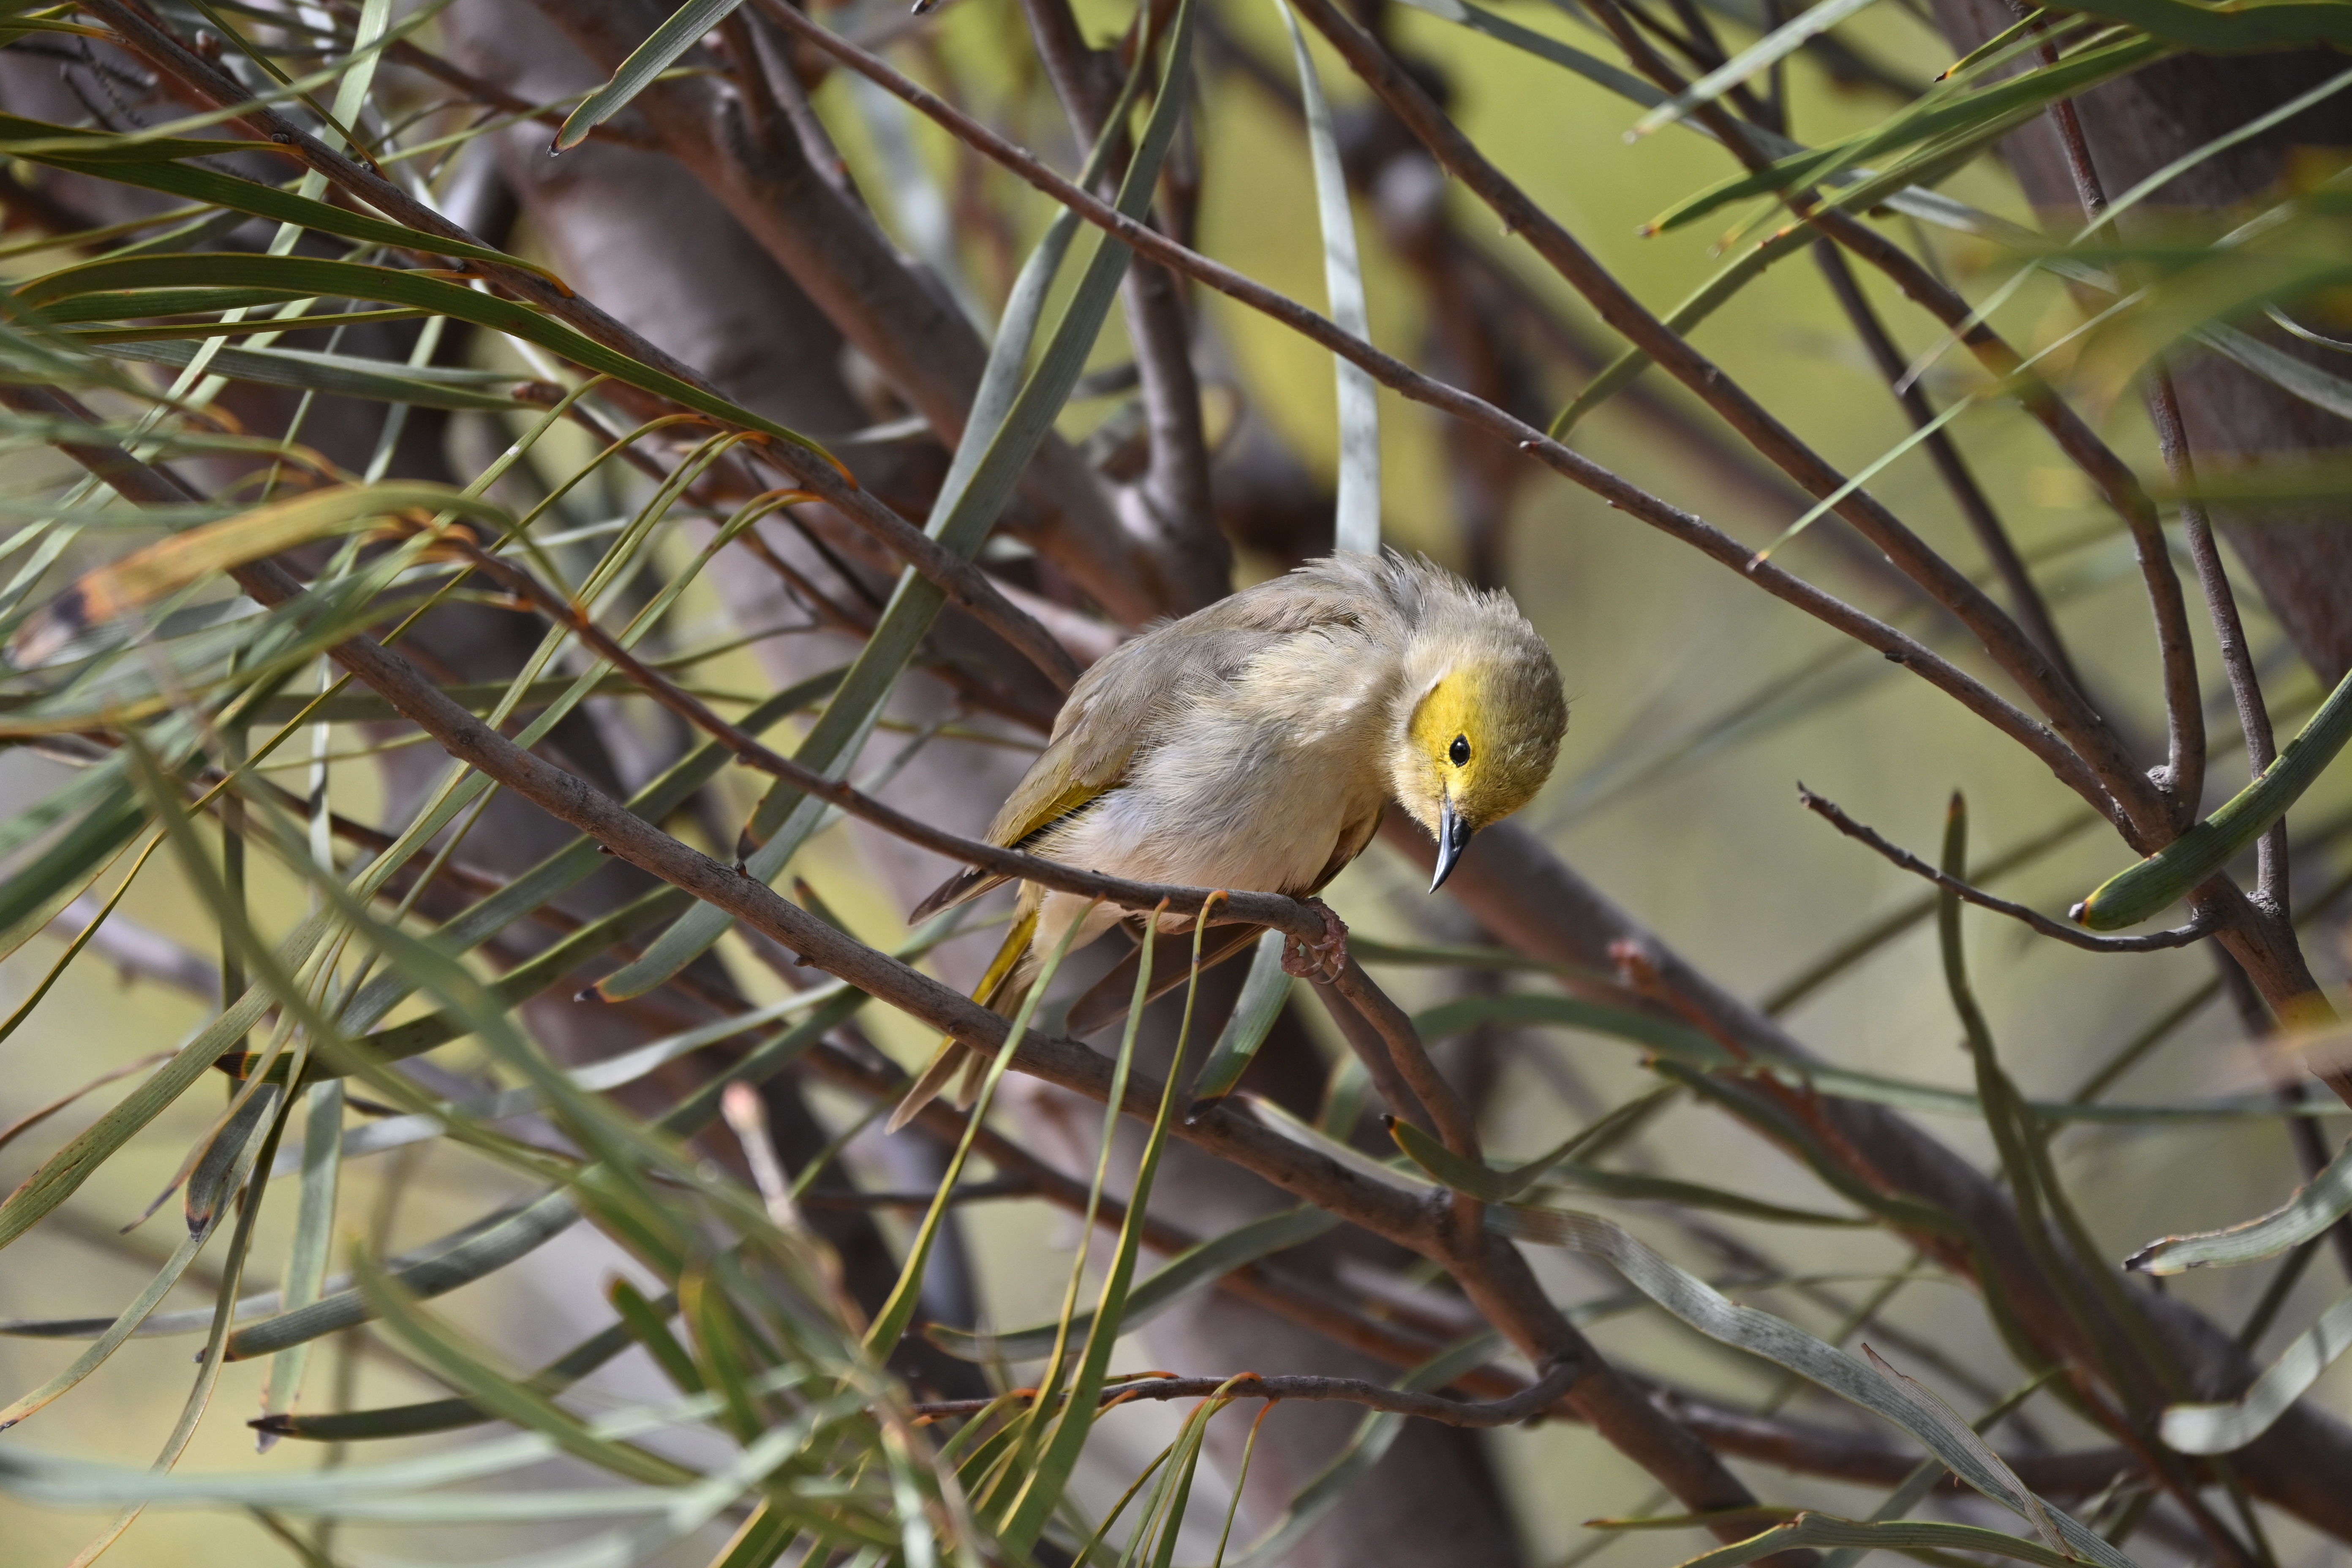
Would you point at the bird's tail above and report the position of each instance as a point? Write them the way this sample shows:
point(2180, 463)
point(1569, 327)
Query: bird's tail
point(997, 992)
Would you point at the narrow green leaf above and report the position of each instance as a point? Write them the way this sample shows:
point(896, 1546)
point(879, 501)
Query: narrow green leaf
point(1592, 68)
point(1694, 1195)
point(109, 592)
point(1357, 516)
point(1935, 116)
point(342, 375)
point(681, 31)
point(1263, 993)
point(2130, 897)
point(2320, 1204)
point(649, 1325)
point(1816, 1530)
point(1761, 1333)
point(151, 166)
point(1041, 1488)
point(111, 813)
point(314, 1224)
point(393, 286)
point(582, 858)
point(2226, 1427)
point(450, 1415)
point(111, 1339)
point(461, 1257)
point(467, 1368)
point(2231, 29)
point(1756, 57)
point(890, 1323)
point(1489, 1186)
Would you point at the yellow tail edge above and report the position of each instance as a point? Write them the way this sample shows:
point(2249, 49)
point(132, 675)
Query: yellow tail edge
point(950, 1056)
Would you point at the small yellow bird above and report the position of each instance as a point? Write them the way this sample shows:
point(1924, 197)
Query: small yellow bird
point(1254, 745)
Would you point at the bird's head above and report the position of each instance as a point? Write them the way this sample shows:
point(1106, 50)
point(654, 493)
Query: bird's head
point(1482, 723)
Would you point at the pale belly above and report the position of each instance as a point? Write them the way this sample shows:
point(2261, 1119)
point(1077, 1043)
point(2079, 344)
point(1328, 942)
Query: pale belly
point(1211, 813)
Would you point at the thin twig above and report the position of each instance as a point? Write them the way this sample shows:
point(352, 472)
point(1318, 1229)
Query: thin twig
point(2197, 930)
point(402, 52)
point(2025, 595)
point(1372, 1051)
point(1455, 1124)
point(1790, 1445)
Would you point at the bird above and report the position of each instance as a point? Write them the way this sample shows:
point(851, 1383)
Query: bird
point(1255, 743)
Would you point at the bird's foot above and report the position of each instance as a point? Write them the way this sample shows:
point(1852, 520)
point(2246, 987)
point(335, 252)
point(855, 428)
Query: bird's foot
point(1322, 958)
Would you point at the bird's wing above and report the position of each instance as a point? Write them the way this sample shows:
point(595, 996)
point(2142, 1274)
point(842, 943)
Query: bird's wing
point(1049, 793)
point(1118, 706)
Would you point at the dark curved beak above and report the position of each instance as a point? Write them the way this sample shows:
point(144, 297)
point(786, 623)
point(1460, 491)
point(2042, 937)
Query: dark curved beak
point(1453, 837)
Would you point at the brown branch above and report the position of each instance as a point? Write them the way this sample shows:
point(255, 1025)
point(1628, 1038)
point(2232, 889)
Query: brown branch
point(2197, 930)
point(1455, 261)
point(1795, 1446)
point(1791, 1445)
point(1372, 1051)
point(2259, 934)
point(913, 333)
point(1256, 908)
point(2034, 735)
point(2183, 780)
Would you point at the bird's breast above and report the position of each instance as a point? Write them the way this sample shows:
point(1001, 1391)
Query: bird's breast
point(1252, 786)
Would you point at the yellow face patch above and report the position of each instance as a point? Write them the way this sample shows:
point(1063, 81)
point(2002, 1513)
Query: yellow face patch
point(1482, 743)
point(1447, 730)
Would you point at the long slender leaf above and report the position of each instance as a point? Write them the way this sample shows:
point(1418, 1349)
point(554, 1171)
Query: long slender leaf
point(341, 376)
point(462, 1365)
point(1356, 515)
point(479, 1249)
point(2227, 1428)
point(1704, 1308)
point(1264, 991)
point(2326, 1199)
point(314, 1221)
point(680, 32)
point(1756, 59)
point(1490, 1185)
point(1816, 1530)
point(353, 280)
point(152, 167)
point(2132, 895)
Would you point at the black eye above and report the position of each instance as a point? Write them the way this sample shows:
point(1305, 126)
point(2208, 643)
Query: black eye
point(1459, 752)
